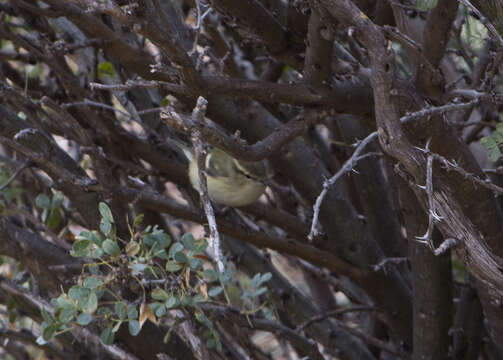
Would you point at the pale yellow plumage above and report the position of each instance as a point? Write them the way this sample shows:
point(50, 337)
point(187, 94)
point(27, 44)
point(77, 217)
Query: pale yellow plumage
point(230, 182)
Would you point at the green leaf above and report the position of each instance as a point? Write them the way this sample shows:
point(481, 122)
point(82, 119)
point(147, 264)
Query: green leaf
point(195, 263)
point(57, 199)
point(175, 248)
point(425, 5)
point(493, 151)
point(84, 319)
point(246, 295)
point(42, 201)
point(105, 227)
point(106, 68)
point(139, 268)
point(66, 314)
point(211, 275)
point(111, 248)
point(121, 309)
point(49, 331)
point(91, 304)
point(488, 142)
point(160, 310)
point(188, 241)
point(173, 266)
point(265, 278)
point(269, 314)
point(155, 305)
point(132, 248)
point(104, 312)
point(199, 315)
point(180, 257)
point(46, 316)
point(202, 245)
point(88, 235)
point(105, 212)
point(159, 239)
point(159, 294)
point(260, 291)
point(215, 291)
point(165, 101)
point(186, 300)
point(96, 253)
point(132, 312)
point(171, 302)
point(198, 299)
point(162, 254)
point(225, 276)
point(498, 136)
point(134, 327)
point(81, 248)
point(92, 282)
point(494, 154)
point(255, 281)
point(54, 219)
point(78, 293)
point(138, 221)
point(107, 336)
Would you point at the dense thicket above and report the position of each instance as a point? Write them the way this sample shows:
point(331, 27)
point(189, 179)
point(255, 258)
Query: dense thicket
point(380, 233)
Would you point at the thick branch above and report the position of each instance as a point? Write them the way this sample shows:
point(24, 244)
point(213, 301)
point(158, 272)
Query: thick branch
point(309, 253)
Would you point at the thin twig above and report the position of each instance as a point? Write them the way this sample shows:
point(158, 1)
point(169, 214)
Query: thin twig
point(433, 217)
point(386, 261)
point(88, 102)
point(134, 84)
point(197, 28)
point(445, 245)
point(348, 165)
point(452, 165)
point(16, 173)
point(436, 110)
point(323, 316)
point(200, 155)
point(408, 42)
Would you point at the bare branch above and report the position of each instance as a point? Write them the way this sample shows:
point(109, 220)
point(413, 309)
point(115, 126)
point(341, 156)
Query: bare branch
point(200, 156)
point(446, 245)
point(234, 145)
point(348, 165)
point(332, 313)
point(15, 174)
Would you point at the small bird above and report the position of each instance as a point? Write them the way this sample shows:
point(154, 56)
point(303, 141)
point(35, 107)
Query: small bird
point(230, 181)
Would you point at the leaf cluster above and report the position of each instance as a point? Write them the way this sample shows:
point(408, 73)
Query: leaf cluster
point(162, 275)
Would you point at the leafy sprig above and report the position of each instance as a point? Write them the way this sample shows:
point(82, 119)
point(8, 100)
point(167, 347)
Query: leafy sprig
point(162, 273)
